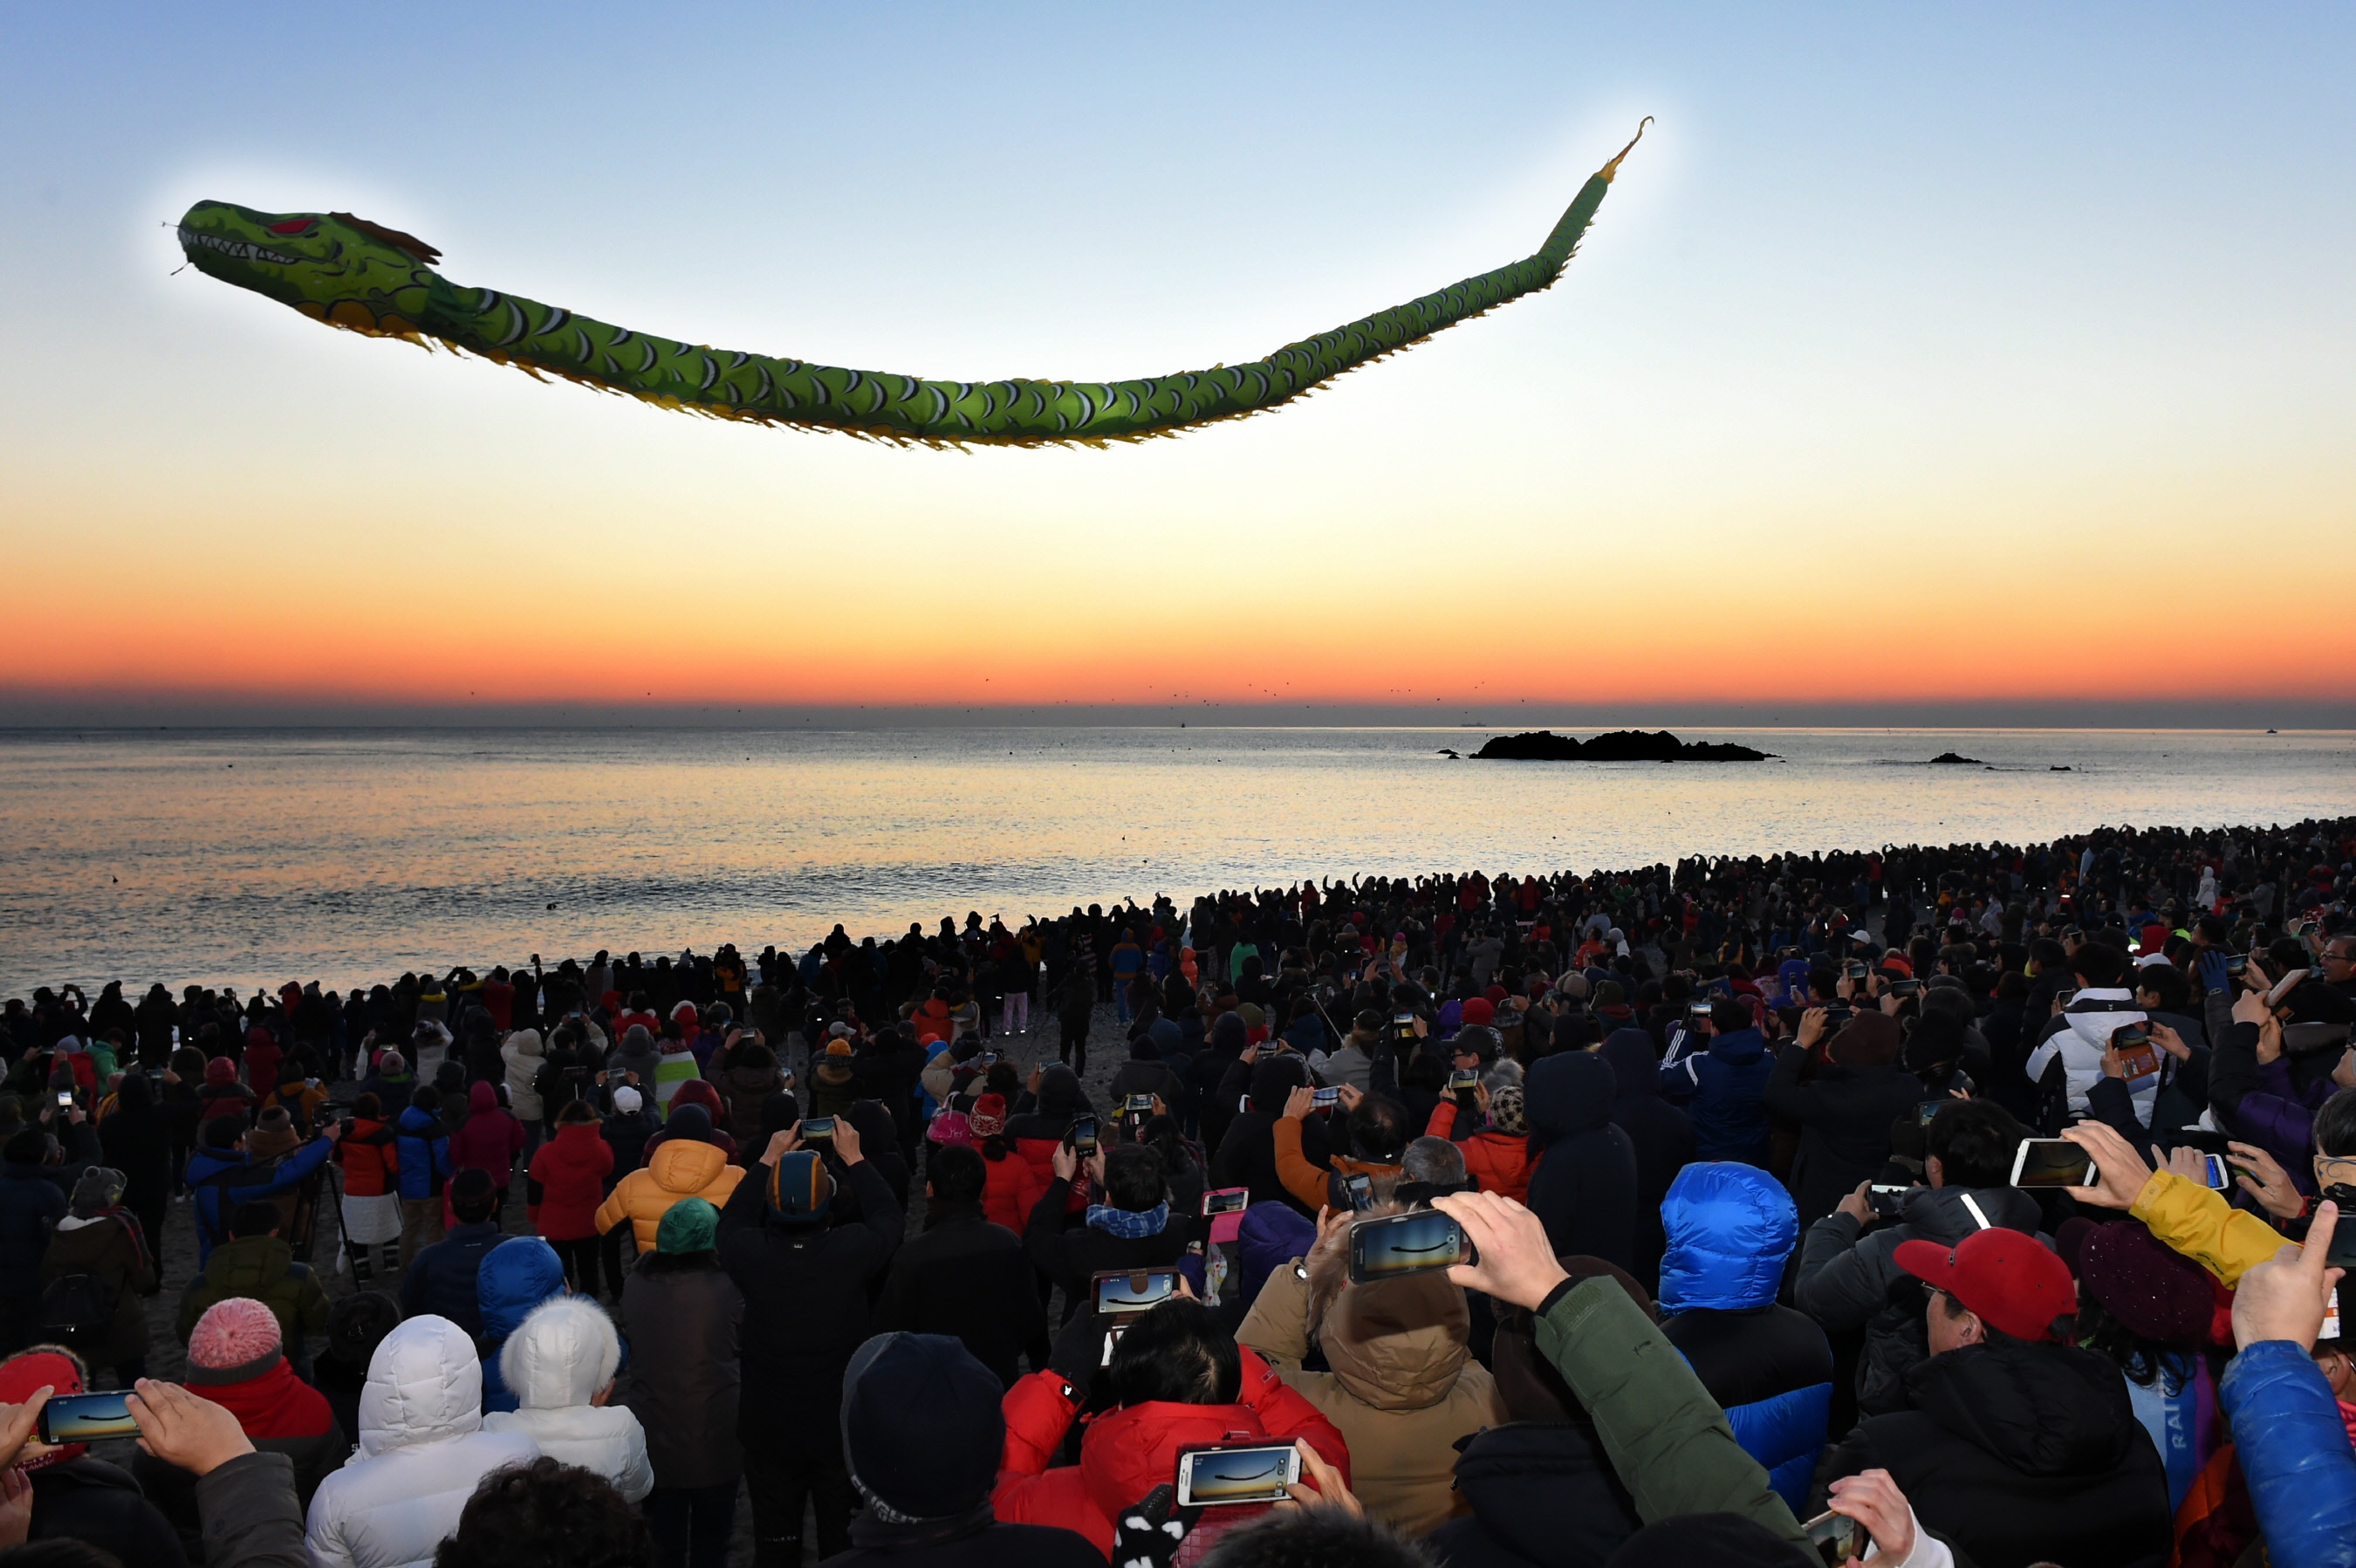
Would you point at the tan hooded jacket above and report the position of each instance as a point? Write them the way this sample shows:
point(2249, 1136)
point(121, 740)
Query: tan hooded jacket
point(1403, 1389)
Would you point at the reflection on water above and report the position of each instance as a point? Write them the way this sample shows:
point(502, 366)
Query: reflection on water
point(253, 857)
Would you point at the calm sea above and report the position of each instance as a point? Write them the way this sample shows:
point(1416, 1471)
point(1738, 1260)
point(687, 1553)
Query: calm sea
point(256, 856)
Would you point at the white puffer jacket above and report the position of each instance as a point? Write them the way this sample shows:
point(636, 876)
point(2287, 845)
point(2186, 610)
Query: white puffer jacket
point(2084, 1031)
point(422, 1451)
point(523, 1052)
point(556, 1363)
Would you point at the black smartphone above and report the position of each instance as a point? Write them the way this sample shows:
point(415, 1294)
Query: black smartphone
point(1463, 1079)
point(1928, 1110)
point(818, 1129)
point(1361, 1188)
point(2238, 965)
point(1905, 987)
point(1141, 1104)
point(1325, 1099)
point(1084, 1136)
point(1130, 1293)
point(86, 1418)
point(1404, 1244)
point(1855, 969)
point(65, 1098)
point(1886, 1200)
point(2063, 997)
point(2343, 1254)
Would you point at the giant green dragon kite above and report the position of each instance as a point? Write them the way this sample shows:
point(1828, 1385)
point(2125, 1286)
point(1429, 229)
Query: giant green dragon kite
point(363, 277)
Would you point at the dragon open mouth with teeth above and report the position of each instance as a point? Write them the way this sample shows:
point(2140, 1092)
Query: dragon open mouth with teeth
point(361, 277)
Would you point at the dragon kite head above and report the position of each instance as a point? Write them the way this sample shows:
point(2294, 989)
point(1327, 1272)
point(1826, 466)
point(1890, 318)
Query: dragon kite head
point(331, 266)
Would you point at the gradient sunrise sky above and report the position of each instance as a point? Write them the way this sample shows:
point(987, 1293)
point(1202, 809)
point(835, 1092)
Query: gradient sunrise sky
point(1920, 353)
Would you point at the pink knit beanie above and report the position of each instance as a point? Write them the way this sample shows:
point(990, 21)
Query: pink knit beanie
point(236, 1339)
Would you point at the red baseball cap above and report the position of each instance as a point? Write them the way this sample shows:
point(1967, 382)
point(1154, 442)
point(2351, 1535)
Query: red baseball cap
point(2002, 1277)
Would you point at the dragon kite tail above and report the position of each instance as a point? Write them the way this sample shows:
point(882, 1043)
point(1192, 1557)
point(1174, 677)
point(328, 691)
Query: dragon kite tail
point(363, 277)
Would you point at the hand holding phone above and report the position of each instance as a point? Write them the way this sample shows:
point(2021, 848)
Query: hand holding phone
point(1400, 1245)
point(1220, 1475)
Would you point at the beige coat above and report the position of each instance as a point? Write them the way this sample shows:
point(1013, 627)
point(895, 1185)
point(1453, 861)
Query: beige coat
point(1403, 1389)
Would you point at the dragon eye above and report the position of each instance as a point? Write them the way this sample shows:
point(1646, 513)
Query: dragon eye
point(295, 226)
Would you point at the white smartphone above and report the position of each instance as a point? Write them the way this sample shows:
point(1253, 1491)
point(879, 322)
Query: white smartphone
point(2052, 1161)
point(1209, 1478)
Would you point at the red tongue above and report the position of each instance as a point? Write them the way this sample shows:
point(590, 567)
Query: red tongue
point(291, 226)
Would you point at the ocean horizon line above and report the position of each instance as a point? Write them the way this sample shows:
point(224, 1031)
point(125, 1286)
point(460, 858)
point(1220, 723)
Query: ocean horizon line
point(25, 715)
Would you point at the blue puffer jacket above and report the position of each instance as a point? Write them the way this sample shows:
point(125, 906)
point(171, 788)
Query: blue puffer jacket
point(1724, 1090)
point(2294, 1454)
point(515, 1277)
point(422, 1145)
point(221, 1180)
point(1730, 1228)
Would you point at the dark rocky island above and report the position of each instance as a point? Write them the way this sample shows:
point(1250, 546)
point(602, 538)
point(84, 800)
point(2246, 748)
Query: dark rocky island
point(1949, 760)
point(1620, 745)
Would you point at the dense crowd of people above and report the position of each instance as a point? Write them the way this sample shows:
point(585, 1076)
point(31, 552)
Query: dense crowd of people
point(1970, 1206)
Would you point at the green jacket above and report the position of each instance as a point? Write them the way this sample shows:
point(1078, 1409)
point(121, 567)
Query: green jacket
point(263, 1268)
point(1665, 1435)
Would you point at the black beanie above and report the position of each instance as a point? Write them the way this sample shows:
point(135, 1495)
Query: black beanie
point(922, 1430)
point(1708, 1541)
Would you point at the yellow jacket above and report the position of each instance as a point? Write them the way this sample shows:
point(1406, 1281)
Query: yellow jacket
point(680, 1168)
point(2198, 1223)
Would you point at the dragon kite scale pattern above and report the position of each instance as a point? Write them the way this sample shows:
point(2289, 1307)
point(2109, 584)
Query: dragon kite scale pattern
point(363, 277)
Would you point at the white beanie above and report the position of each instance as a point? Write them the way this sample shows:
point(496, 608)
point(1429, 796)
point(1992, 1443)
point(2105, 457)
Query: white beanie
point(627, 1100)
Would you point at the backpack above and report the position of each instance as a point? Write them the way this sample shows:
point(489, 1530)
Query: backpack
point(77, 1303)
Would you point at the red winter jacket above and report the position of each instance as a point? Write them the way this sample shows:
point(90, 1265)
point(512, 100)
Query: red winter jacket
point(490, 1140)
point(1129, 1452)
point(1498, 1161)
point(1039, 1153)
point(1014, 1191)
point(567, 1182)
point(366, 1153)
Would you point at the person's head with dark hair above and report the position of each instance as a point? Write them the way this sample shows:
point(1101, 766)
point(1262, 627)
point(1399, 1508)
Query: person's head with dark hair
point(1316, 1538)
point(1379, 1130)
point(425, 1097)
point(1934, 1046)
point(259, 1218)
point(368, 1107)
point(223, 1133)
point(577, 1112)
point(1867, 1040)
point(957, 1178)
point(1729, 1017)
point(2012, 986)
point(2100, 965)
point(2335, 1126)
point(2162, 988)
point(132, 1093)
point(546, 1514)
point(1135, 1179)
point(474, 1197)
point(1971, 1143)
point(358, 1324)
point(1177, 1353)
